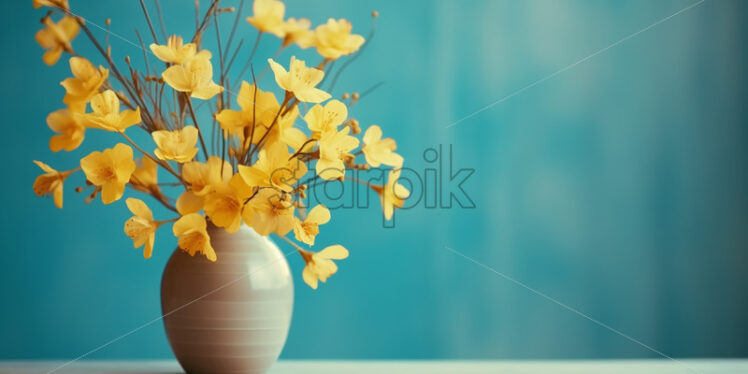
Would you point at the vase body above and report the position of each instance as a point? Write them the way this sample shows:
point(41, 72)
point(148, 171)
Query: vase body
point(232, 315)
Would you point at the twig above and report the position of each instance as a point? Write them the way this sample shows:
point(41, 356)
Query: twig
point(161, 20)
point(233, 28)
point(201, 27)
point(194, 120)
point(370, 90)
point(354, 57)
point(249, 60)
point(148, 18)
point(289, 241)
point(160, 162)
point(233, 57)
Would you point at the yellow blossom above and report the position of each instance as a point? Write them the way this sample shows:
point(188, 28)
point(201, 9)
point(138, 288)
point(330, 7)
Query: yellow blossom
point(141, 227)
point(206, 177)
point(106, 114)
point(110, 169)
point(174, 51)
point(380, 151)
point(334, 148)
point(325, 118)
point(392, 195)
point(224, 208)
point(297, 31)
point(269, 211)
point(295, 138)
point(85, 82)
point(243, 190)
point(194, 76)
point(192, 235)
point(319, 266)
point(70, 131)
point(305, 231)
point(56, 37)
point(262, 110)
point(334, 39)
point(274, 169)
point(50, 182)
point(145, 176)
point(283, 129)
point(189, 202)
point(177, 145)
point(51, 3)
point(268, 17)
point(300, 80)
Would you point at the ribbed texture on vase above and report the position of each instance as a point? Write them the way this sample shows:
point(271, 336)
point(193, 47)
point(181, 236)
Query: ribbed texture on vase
point(232, 315)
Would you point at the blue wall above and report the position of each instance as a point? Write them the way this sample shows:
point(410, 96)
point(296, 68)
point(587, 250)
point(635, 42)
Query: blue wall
point(617, 187)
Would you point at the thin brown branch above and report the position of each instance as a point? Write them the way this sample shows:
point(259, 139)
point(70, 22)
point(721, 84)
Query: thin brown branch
point(161, 20)
point(261, 142)
point(201, 27)
point(162, 163)
point(194, 120)
point(233, 57)
point(233, 28)
point(249, 60)
point(150, 24)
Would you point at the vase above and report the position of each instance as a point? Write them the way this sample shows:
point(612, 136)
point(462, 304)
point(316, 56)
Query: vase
point(231, 315)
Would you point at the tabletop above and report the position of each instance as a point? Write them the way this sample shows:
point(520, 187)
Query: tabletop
point(706, 366)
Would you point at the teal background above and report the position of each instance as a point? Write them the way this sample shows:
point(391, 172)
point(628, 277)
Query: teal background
point(617, 187)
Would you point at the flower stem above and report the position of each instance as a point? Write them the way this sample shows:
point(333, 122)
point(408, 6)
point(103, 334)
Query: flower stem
point(199, 132)
point(160, 162)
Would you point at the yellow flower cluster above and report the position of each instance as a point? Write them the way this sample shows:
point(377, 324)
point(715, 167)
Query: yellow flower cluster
point(332, 39)
point(256, 171)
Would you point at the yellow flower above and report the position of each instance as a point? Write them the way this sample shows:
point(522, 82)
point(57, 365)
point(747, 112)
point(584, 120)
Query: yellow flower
point(273, 169)
point(392, 195)
point(50, 182)
point(71, 132)
point(177, 145)
point(326, 118)
point(263, 111)
point(300, 80)
point(189, 202)
point(85, 82)
point(206, 177)
point(224, 208)
point(110, 169)
point(380, 151)
point(306, 230)
point(174, 51)
point(106, 114)
point(269, 211)
point(268, 17)
point(295, 138)
point(145, 176)
point(319, 266)
point(297, 31)
point(51, 3)
point(192, 235)
point(334, 39)
point(56, 37)
point(334, 147)
point(283, 131)
point(195, 76)
point(141, 227)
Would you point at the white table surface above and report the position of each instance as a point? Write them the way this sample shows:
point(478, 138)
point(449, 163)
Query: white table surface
point(716, 366)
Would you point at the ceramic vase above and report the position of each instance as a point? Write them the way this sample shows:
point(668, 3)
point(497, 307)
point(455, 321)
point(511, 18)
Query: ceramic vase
point(232, 315)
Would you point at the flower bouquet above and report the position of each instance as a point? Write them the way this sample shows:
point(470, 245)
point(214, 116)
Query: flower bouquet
point(247, 165)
